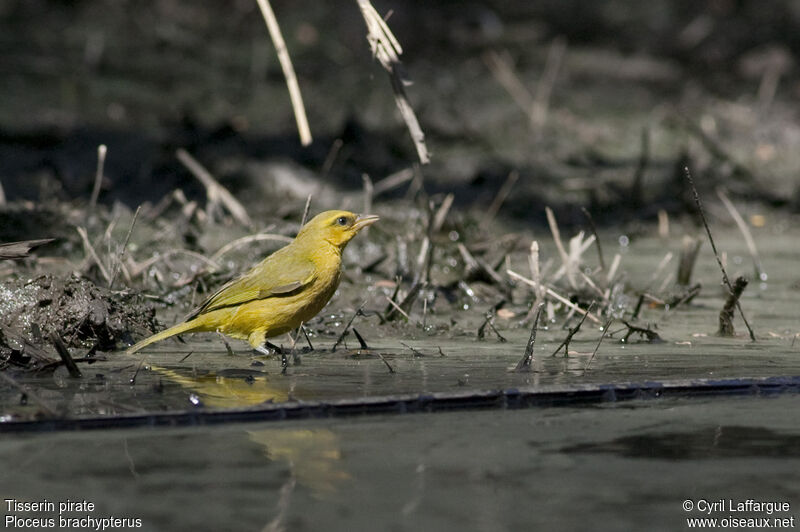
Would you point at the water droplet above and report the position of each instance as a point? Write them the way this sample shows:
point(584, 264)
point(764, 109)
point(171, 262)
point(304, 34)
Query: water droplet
point(624, 241)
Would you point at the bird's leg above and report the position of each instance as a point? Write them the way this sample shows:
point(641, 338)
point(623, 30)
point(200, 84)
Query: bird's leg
point(262, 349)
point(268, 348)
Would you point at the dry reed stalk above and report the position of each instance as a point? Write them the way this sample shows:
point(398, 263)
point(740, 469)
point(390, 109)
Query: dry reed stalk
point(288, 71)
point(216, 193)
point(387, 50)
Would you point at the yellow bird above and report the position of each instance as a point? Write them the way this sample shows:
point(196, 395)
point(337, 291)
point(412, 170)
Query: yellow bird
point(285, 290)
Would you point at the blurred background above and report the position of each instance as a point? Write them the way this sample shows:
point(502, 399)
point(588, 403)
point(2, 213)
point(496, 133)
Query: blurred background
point(594, 104)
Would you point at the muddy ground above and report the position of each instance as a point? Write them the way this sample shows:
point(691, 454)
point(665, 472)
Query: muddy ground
point(591, 110)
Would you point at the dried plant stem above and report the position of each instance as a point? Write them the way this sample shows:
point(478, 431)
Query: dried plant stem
point(726, 314)
point(393, 181)
point(215, 192)
point(568, 266)
point(553, 294)
point(98, 177)
point(386, 49)
point(725, 278)
point(572, 332)
point(441, 213)
point(93, 254)
point(527, 359)
point(748, 236)
point(118, 264)
point(600, 341)
point(305, 210)
point(288, 71)
point(593, 227)
point(501, 196)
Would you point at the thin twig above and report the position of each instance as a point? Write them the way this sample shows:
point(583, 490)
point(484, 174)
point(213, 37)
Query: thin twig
point(593, 227)
point(569, 267)
point(347, 327)
point(572, 332)
point(551, 293)
point(501, 196)
point(117, 266)
point(132, 380)
point(214, 191)
point(93, 254)
point(65, 355)
point(725, 278)
point(391, 369)
point(600, 341)
point(441, 213)
point(392, 181)
point(527, 359)
point(305, 211)
point(331, 158)
point(288, 71)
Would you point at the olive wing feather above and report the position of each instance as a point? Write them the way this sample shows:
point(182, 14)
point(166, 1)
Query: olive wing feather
point(263, 281)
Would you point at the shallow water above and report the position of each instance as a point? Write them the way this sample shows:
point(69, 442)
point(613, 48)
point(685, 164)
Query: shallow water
point(455, 360)
point(624, 466)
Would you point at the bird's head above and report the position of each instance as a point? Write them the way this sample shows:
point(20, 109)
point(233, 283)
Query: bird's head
point(336, 227)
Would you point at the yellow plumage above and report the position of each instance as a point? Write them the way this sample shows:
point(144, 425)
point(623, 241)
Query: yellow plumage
point(285, 290)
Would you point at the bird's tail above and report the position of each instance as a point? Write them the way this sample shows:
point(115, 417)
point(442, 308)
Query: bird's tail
point(186, 326)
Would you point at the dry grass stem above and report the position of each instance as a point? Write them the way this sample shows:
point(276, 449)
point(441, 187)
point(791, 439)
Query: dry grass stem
point(441, 213)
point(98, 177)
point(118, 264)
point(215, 192)
point(725, 278)
point(393, 181)
point(551, 293)
point(501, 196)
point(661, 265)
point(305, 210)
point(387, 50)
point(288, 71)
point(597, 347)
point(567, 264)
point(503, 71)
point(541, 104)
point(748, 236)
point(612, 271)
point(93, 254)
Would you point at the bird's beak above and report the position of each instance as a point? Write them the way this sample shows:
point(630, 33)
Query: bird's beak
point(363, 220)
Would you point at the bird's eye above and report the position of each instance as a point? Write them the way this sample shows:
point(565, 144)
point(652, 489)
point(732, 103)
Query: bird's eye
point(342, 220)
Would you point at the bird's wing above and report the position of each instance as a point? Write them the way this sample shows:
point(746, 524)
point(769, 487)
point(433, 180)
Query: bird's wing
point(263, 281)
